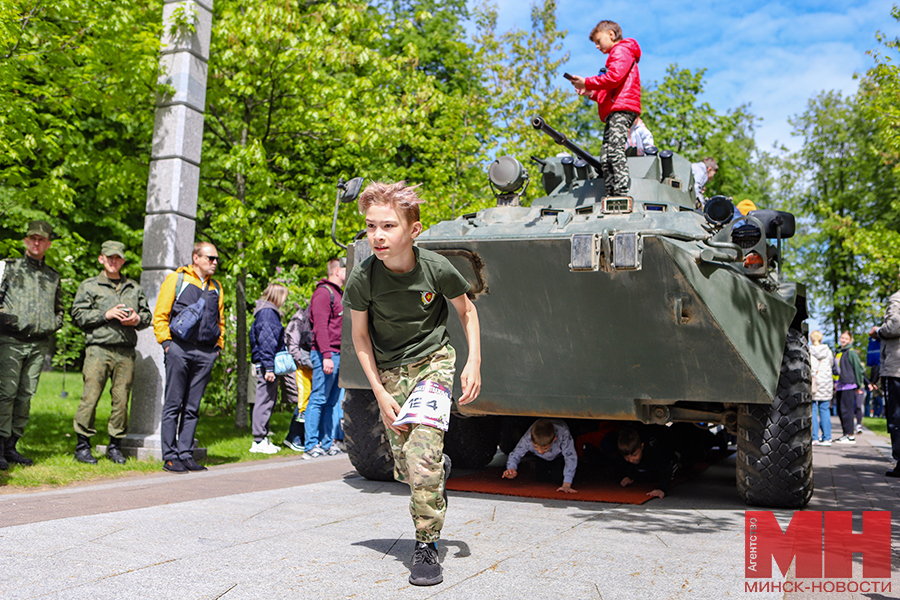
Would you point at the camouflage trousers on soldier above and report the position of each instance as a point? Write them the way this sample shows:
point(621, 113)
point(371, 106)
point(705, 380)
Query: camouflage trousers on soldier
point(612, 155)
point(102, 363)
point(419, 452)
point(20, 370)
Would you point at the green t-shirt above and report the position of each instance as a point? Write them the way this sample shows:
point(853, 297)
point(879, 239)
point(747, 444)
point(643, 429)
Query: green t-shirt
point(407, 311)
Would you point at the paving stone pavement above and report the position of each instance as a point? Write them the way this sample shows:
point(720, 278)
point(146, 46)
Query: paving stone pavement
point(287, 528)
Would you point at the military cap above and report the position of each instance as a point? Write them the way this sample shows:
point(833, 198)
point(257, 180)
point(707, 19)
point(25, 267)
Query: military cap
point(41, 228)
point(111, 248)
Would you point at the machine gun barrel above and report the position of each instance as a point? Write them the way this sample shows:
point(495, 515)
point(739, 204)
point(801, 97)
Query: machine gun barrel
point(538, 123)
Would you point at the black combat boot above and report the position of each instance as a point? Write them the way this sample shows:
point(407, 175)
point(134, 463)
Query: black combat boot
point(12, 455)
point(3, 464)
point(83, 450)
point(114, 453)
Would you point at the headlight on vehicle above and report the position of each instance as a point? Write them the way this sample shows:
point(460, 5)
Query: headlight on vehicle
point(746, 235)
point(753, 261)
point(719, 210)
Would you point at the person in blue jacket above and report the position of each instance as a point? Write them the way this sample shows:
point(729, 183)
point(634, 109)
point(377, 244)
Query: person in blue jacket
point(266, 339)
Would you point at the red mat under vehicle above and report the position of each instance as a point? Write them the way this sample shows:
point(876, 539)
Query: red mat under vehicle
point(592, 487)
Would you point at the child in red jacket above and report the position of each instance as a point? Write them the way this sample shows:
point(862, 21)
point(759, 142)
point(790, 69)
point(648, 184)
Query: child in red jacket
point(617, 91)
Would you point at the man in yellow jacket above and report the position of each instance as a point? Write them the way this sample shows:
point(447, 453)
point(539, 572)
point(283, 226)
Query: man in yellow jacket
point(189, 322)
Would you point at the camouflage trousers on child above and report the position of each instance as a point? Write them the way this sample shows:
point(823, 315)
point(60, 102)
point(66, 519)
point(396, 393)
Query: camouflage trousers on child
point(419, 452)
point(612, 154)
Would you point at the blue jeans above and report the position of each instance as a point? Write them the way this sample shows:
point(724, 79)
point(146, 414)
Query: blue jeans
point(338, 415)
point(821, 416)
point(322, 400)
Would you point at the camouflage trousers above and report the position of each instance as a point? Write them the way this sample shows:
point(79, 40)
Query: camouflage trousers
point(612, 155)
point(20, 370)
point(102, 363)
point(419, 452)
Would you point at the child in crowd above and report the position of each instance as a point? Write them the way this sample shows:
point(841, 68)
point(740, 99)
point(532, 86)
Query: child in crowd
point(617, 92)
point(641, 139)
point(550, 440)
point(398, 307)
point(650, 460)
point(703, 173)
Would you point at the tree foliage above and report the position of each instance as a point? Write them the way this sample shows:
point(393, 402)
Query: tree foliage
point(847, 199)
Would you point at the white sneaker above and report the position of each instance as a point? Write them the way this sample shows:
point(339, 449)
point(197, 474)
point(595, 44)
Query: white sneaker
point(816, 443)
point(845, 440)
point(261, 448)
point(825, 443)
point(273, 449)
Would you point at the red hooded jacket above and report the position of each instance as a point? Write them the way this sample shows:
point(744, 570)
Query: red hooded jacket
point(619, 89)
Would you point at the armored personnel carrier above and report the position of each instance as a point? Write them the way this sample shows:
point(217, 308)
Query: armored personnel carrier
point(642, 308)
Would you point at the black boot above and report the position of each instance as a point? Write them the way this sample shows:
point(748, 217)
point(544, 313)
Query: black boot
point(114, 453)
point(12, 455)
point(83, 450)
point(3, 464)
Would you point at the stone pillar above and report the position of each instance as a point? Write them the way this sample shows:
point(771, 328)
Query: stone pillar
point(171, 199)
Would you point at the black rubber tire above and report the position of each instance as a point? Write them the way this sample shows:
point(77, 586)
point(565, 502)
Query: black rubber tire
point(774, 460)
point(471, 442)
point(366, 442)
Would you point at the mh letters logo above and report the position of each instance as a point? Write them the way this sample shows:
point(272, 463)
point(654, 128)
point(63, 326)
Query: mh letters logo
point(820, 552)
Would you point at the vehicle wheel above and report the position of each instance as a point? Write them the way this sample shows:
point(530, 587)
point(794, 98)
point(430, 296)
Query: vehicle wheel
point(471, 442)
point(367, 444)
point(774, 460)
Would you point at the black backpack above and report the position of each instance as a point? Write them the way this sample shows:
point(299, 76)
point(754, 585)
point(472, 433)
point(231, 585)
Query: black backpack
point(304, 329)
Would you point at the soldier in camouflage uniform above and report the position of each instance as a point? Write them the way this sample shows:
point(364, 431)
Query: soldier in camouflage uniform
point(110, 308)
point(31, 311)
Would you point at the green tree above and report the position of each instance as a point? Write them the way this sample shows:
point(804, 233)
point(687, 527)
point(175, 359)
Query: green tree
point(879, 93)
point(291, 107)
point(77, 81)
point(847, 199)
point(681, 122)
point(444, 144)
point(522, 71)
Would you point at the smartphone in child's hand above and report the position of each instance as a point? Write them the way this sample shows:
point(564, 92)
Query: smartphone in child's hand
point(569, 76)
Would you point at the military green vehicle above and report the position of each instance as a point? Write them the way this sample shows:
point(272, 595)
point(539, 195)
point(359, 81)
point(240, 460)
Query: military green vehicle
point(639, 308)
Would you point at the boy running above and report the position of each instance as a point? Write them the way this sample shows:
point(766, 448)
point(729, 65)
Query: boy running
point(398, 310)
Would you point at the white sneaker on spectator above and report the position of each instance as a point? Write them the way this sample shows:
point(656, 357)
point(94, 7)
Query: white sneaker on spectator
point(273, 449)
point(261, 448)
point(293, 446)
point(314, 453)
point(846, 440)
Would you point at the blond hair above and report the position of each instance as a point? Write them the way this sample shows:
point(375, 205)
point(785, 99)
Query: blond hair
point(399, 196)
point(275, 293)
point(816, 337)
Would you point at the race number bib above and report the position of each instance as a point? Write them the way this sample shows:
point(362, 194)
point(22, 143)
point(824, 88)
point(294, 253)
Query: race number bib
point(429, 404)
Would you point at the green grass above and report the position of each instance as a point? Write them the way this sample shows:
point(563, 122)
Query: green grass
point(50, 440)
point(877, 425)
